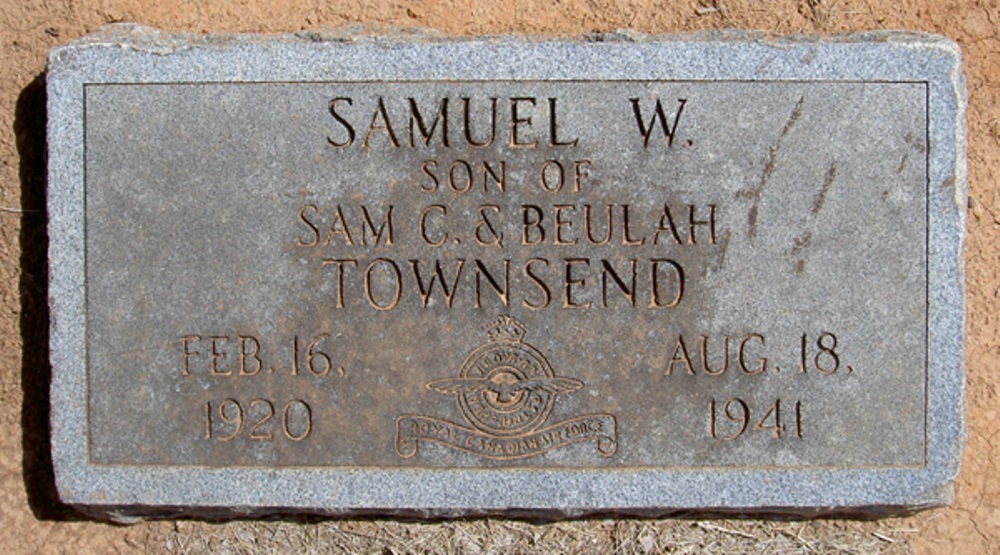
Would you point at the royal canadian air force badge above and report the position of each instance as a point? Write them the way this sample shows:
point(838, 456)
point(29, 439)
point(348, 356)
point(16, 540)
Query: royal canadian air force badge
point(506, 390)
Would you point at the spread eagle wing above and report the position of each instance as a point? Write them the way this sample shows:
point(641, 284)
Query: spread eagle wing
point(459, 385)
point(550, 385)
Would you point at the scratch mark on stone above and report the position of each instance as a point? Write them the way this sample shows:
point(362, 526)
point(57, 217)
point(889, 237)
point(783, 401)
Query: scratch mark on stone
point(914, 143)
point(801, 242)
point(798, 244)
point(753, 193)
point(831, 174)
point(723, 249)
point(796, 114)
point(902, 163)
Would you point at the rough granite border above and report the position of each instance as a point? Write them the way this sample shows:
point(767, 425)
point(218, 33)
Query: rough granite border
point(133, 54)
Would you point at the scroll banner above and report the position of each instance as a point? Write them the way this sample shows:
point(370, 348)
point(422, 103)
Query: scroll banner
point(600, 428)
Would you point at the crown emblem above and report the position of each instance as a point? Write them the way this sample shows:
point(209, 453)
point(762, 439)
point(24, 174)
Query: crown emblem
point(505, 328)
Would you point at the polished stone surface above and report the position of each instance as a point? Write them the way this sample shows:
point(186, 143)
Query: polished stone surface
point(334, 273)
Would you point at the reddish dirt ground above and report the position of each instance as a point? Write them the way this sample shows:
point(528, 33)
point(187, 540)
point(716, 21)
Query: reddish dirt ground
point(33, 520)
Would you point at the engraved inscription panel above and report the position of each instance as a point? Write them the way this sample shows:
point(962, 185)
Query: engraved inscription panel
point(582, 274)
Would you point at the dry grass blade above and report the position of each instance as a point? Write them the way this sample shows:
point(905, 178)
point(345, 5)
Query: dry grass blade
point(883, 537)
point(714, 528)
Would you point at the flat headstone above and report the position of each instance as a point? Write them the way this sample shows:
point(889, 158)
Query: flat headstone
point(410, 275)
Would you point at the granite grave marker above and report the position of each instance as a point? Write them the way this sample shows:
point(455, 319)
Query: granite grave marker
point(409, 275)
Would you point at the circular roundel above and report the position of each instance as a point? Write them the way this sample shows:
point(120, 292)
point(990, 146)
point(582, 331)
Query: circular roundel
point(506, 404)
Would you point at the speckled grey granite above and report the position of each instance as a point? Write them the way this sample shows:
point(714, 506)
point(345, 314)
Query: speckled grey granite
point(193, 182)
